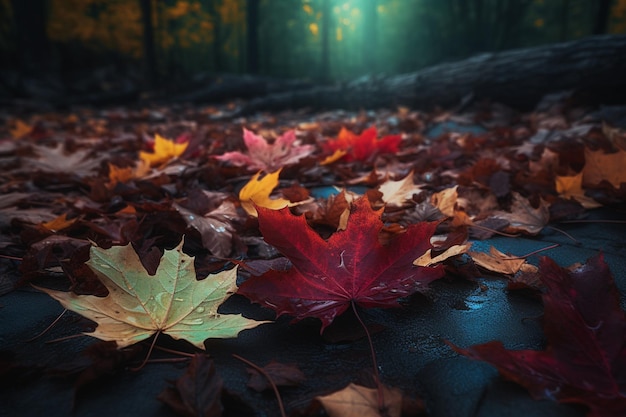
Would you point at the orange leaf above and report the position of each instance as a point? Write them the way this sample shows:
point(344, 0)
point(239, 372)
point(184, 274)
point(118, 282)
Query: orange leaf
point(59, 223)
point(600, 166)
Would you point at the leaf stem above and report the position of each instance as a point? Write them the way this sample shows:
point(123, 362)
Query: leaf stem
point(175, 352)
point(269, 379)
point(50, 326)
point(379, 385)
point(512, 258)
point(145, 361)
point(556, 229)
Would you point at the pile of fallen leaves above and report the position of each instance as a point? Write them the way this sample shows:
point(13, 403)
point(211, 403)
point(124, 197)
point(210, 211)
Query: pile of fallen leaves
point(315, 214)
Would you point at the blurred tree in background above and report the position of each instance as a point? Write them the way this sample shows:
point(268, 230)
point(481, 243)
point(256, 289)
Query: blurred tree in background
point(315, 39)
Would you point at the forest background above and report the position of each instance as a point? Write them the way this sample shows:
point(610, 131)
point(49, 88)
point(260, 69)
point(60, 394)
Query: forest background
point(161, 42)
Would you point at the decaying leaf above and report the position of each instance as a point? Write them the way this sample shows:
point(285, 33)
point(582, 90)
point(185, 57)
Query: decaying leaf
point(198, 392)
point(55, 160)
point(523, 217)
point(350, 267)
point(498, 262)
point(164, 151)
point(585, 361)
point(268, 157)
point(358, 401)
point(428, 260)
point(257, 191)
point(171, 302)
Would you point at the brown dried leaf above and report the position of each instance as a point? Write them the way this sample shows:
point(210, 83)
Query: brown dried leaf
point(358, 401)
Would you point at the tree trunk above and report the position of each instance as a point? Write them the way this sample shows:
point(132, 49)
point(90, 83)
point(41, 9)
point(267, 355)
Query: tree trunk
point(149, 54)
point(252, 36)
point(33, 47)
point(593, 67)
point(325, 64)
point(370, 35)
point(602, 17)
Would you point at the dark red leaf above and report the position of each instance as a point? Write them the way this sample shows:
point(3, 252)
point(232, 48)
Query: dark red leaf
point(585, 361)
point(288, 375)
point(351, 266)
point(198, 392)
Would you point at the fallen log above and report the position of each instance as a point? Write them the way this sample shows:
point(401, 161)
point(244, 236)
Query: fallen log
point(594, 68)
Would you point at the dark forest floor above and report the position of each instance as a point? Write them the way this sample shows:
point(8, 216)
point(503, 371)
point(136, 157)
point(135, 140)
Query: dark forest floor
point(548, 183)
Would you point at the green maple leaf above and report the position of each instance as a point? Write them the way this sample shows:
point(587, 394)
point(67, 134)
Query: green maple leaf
point(171, 302)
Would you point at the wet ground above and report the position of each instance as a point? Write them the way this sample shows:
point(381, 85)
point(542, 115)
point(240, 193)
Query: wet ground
point(410, 346)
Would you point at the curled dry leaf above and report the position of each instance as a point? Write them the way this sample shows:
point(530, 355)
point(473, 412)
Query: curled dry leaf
point(171, 302)
point(428, 260)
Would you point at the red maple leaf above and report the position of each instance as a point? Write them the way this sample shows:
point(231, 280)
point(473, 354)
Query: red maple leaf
point(364, 146)
point(585, 361)
point(351, 266)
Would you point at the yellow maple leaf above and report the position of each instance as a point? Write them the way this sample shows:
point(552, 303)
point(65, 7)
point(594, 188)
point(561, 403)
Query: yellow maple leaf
point(257, 191)
point(572, 187)
point(164, 151)
point(58, 223)
point(337, 155)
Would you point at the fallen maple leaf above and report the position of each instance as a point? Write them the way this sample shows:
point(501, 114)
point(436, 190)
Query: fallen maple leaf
point(350, 267)
point(123, 175)
point(571, 186)
point(198, 392)
point(257, 192)
point(20, 129)
point(55, 160)
point(358, 401)
point(59, 223)
point(164, 151)
point(427, 259)
point(364, 146)
point(263, 156)
point(215, 227)
point(601, 166)
point(398, 193)
point(585, 361)
point(171, 302)
point(523, 217)
point(498, 262)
